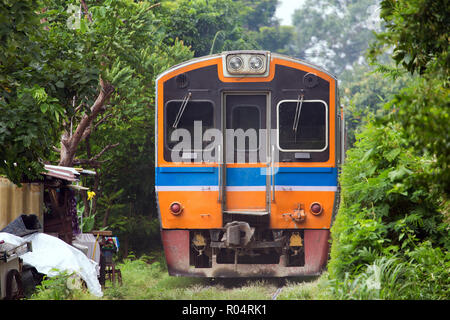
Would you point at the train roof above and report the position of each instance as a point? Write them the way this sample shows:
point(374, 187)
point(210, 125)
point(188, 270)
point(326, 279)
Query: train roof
point(222, 54)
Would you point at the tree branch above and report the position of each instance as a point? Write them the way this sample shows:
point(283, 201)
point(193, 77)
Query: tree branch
point(79, 107)
point(108, 147)
point(154, 5)
point(102, 120)
point(86, 11)
point(86, 133)
point(93, 161)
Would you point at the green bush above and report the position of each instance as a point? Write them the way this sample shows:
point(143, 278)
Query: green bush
point(391, 211)
point(64, 286)
point(380, 280)
point(428, 273)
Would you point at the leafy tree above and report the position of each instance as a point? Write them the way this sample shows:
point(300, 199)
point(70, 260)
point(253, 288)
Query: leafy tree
point(206, 26)
point(418, 32)
point(275, 39)
point(99, 62)
point(364, 93)
point(257, 14)
point(224, 25)
point(334, 34)
point(108, 59)
point(30, 114)
point(261, 25)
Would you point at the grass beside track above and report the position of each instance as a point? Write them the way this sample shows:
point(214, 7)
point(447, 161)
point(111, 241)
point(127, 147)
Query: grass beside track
point(146, 278)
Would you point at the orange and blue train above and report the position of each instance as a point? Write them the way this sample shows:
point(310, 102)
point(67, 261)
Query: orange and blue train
point(248, 149)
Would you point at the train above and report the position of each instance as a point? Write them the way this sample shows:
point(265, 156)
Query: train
point(248, 148)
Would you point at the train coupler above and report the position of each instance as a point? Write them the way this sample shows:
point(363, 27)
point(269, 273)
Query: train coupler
point(237, 234)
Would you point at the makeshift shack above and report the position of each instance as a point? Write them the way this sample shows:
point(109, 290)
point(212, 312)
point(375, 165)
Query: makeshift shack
point(52, 200)
point(60, 207)
point(30, 212)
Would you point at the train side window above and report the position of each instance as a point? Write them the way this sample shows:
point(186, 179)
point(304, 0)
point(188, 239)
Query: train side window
point(195, 111)
point(310, 133)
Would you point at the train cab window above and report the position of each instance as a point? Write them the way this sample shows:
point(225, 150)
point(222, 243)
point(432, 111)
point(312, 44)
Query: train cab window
point(182, 115)
point(246, 117)
point(302, 126)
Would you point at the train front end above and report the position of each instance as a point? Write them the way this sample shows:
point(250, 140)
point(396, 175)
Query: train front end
point(248, 145)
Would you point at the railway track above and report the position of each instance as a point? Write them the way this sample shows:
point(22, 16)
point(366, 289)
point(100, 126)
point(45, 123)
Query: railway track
point(280, 286)
point(275, 295)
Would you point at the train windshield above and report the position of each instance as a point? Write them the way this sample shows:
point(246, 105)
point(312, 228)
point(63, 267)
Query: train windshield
point(191, 116)
point(245, 118)
point(302, 125)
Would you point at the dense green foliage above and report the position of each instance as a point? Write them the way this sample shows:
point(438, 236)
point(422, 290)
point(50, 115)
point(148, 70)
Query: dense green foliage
point(418, 32)
point(222, 25)
point(364, 92)
point(391, 236)
point(206, 26)
point(29, 122)
point(391, 209)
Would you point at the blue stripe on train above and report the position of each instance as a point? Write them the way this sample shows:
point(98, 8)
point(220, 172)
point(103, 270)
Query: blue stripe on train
point(208, 176)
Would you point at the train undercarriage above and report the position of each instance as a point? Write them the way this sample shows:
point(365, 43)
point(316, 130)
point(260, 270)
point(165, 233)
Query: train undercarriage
point(239, 250)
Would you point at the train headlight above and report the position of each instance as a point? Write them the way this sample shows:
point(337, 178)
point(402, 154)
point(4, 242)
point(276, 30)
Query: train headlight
point(246, 63)
point(255, 63)
point(235, 63)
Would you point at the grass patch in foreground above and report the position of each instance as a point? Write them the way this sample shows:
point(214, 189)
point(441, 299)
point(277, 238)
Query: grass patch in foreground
point(146, 278)
point(307, 288)
point(145, 281)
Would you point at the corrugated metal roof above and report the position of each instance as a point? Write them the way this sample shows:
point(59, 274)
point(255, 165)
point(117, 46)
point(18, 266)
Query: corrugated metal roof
point(65, 173)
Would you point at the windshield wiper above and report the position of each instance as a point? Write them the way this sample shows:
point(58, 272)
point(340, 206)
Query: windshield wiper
point(298, 110)
point(180, 112)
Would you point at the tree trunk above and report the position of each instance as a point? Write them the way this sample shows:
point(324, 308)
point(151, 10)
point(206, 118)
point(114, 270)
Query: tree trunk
point(105, 218)
point(69, 141)
point(125, 245)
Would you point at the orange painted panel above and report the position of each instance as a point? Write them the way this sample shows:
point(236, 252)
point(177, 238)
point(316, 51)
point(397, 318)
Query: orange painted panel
point(245, 200)
point(201, 209)
point(287, 201)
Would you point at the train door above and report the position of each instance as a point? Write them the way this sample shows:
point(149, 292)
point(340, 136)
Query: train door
point(246, 187)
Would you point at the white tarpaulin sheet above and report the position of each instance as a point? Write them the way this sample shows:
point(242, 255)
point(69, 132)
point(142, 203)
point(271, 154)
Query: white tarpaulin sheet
point(51, 255)
point(89, 240)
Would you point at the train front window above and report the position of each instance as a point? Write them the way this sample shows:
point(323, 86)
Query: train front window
point(192, 117)
point(245, 118)
point(302, 125)
point(245, 124)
